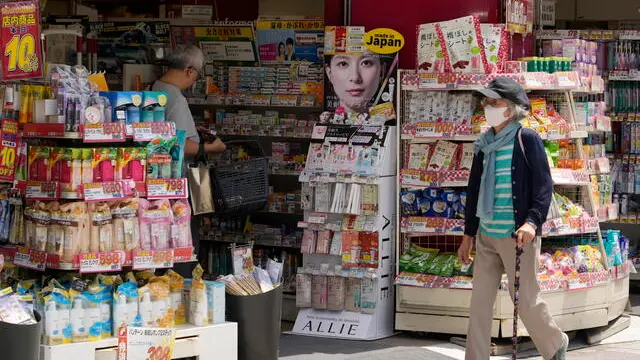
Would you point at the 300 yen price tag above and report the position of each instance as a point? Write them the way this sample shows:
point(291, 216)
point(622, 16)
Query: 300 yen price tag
point(30, 259)
point(152, 259)
point(40, 190)
point(101, 262)
point(167, 188)
point(105, 132)
point(105, 191)
point(152, 130)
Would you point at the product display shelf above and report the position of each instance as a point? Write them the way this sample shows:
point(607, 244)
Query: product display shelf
point(580, 304)
point(346, 324)
point(218, 341)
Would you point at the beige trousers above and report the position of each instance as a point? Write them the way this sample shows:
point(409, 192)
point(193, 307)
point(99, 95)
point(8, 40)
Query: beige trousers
point(493, 258)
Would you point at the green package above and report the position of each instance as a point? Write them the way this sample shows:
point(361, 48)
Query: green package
point(448, 264)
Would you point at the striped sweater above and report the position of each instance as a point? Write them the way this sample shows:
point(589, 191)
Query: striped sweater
point(502, 223)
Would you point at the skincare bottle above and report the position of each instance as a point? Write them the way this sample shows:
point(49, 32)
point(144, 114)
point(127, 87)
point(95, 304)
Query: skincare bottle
point(54, 336)
point(146, 310)
point(120, 316)
point(78, 329)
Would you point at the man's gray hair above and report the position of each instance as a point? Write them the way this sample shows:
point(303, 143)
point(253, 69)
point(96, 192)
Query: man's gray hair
point(185, 56)
point(518, 112)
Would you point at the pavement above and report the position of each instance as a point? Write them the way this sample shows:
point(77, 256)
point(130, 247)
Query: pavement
point(622, 346)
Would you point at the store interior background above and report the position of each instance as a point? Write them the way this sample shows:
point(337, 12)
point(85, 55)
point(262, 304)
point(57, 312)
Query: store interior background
point(401, 15)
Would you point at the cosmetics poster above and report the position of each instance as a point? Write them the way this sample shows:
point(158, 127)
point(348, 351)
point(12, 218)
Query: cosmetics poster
point(360, 74)
point(287, 41)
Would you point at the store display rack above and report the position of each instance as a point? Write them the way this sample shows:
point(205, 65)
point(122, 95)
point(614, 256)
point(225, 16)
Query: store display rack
point(218, 341)
point(333, 172)
point(435, 304)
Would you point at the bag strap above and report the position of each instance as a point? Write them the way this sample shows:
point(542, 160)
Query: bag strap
point(524, 153)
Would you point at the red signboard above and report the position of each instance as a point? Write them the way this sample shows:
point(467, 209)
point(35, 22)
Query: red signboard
point(20, 35)
point(9, 142)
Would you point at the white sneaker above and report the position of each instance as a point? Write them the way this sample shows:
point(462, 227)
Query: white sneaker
point(562, 352)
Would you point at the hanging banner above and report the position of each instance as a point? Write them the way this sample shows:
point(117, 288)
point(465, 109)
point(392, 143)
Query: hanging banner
point(136, 343)
point(22, 54)
point(372, 56)
point(9, 142)
point(222, 44)
point(547, 13)
point(520, 15)
point(285, 41)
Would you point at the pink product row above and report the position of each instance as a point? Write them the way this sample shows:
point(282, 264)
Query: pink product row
point(336, 290)
point(577, 50)
point(586, 112)
point(67, 229)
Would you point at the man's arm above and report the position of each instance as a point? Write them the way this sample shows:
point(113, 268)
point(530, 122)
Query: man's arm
point(191, 147)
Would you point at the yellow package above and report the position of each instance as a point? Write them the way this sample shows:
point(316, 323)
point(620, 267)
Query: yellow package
point(198, 311)
point(163, 314)
point(176, 287)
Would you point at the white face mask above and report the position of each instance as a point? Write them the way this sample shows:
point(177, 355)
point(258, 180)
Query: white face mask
point(494, 115)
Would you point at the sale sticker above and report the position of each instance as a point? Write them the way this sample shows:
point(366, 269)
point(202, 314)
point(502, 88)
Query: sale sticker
point(167, 188)
point(20, 34)
point(42, 190)
point(148, 131)
point(9, 142)
point(114, 190)
point(152, 259)
point(101, 262)
point(104, 132)
point(30, 259)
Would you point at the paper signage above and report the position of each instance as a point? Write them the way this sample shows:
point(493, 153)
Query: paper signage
point(20, 34)
point(105, 132)
point(9, 141)
point(30, 259)
point(167, 188)
point(114, 190)
point(135, 343)
point(101, 262)
point(148, 131)
point(40, 190)
point(383, 41)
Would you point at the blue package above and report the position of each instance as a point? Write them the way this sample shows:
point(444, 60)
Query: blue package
point(424, 206)
point(409, 201)
point(449, 196)
point(438, 208)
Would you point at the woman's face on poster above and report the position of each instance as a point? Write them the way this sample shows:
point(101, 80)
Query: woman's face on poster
point(355, 79)
point(281, 49)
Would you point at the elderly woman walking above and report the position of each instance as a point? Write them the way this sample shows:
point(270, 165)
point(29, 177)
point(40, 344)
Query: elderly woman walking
point(508, 198)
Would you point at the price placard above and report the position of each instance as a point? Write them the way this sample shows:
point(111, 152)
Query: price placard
point(30, 259)
point(9, 140)
point(167, 188)
point(104, 132)
point(431, 130)
point(152, 259)
point(136, 343)
point(114, 190)
point(22, 55)
point(42, 190)
point(101, 262)
point(152, 130)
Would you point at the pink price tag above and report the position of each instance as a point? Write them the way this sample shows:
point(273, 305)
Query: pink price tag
point(153, 130)
point(104, 132)
point(30, 259)
point(101, 262)
point(167, 188)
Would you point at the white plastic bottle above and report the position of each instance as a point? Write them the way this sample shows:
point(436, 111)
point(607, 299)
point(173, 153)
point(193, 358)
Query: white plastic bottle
point(105, 316)
point(64, 322)
point(51, 323)
point(78, 330)
point(120, 316)
point(159, 311)
point(93, 319)
point(132, 314)
point(146, 310)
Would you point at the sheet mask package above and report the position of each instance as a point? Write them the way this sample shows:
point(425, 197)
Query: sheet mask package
point(495, 40)
point(55, 233)
point(352, 293)
point(369, 292)
point(465, 46)
point(77, 222)
point(443, 156)
point(319, 288)
point(303, 288)
point(351, 248)
point(155, 224)
point(335, 290)
point(369, 204)
point(308, 242)
point(323, 242)
point(36, 219)
point(466, 158)
point(181, 227)
point(460, 108)
point(126, 228)
point(431, 52)
point(418, 103)
point(101, 228)
point(336, 244)
point(436, 109)
point(307, 194)
point(419, 155)
point(322, 197)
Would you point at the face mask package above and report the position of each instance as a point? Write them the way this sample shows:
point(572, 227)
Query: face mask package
point(155, 224)
point(181, 228)
point(126, 228)
point(37, 220)
point(303, 288)
point(319, 288)
point(368, 295)
point(308, 242)
point(102, 229)
point(353, 291)
point(335, 290)
point(323, 242)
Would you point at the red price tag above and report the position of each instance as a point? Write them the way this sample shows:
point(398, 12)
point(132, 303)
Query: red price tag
point(101, 262)
point(31, 259)
point(104, 132)
point(105, 191)
point(21, 40)
point(167, 188)
point(152, 259)
point(153, 130)
point(9, 140)
point(40, 190)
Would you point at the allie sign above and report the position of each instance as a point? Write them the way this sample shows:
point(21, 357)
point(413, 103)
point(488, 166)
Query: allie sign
point(383, 41)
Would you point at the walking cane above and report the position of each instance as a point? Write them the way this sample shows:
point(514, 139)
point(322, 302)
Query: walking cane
point(516, 298)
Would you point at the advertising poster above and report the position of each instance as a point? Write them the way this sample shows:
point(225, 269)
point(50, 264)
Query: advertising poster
point(222, 44)
point(20, 33)
point(360, 70)
point(285, 41)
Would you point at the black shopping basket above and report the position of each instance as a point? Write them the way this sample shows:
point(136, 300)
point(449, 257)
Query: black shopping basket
point(241, 186)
